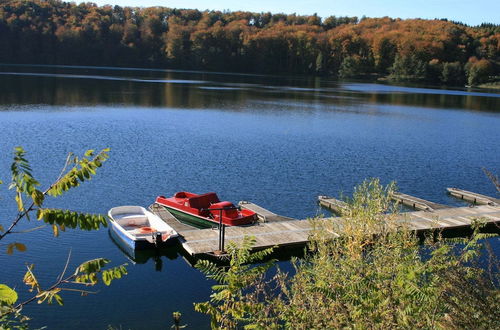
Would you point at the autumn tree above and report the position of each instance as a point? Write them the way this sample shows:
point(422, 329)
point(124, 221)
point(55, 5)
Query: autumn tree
point(478, 71)
point(56, 32)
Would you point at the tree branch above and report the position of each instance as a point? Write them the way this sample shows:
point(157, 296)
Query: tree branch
point(60, 280)
point(31, 207)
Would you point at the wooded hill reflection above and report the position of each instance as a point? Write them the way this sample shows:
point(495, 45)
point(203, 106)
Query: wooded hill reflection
point(197, 90)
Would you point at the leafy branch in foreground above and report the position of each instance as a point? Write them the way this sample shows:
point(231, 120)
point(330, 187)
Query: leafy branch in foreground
point(25, 185)
point(87, 274)
point(29, 198)
point(228, 305)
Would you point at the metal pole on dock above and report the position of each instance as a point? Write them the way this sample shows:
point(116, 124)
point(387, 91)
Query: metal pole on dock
point(222, 226)
point(221, 234)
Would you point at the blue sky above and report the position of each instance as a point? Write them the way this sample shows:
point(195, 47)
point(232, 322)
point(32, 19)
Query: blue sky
point(469, 12)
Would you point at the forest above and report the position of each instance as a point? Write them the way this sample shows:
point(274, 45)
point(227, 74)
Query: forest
point(437, 51)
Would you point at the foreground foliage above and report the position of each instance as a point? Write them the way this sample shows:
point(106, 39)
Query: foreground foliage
point(30, 200)
point(229, 305)
point(376, 275)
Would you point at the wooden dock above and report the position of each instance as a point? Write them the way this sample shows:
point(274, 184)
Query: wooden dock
point(417, 203)
point(285, 233)
point(263, 214)
point(473, 197)
point(338, 206)
point(332, 204)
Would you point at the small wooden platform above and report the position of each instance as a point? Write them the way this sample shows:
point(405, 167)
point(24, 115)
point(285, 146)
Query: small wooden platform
point(417, 203)
point(473, 197)
point(333, 204)
point(263, 214)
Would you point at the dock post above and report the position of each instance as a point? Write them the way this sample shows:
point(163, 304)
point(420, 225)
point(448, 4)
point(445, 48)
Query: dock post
point(222, 228)
point(221, 237)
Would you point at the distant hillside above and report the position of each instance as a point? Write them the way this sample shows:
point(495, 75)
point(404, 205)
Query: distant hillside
point(55, 32)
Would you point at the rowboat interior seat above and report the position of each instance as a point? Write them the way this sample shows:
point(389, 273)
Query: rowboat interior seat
point(133, 221)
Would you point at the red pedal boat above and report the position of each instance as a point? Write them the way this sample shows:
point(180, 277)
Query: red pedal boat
point(203, 211)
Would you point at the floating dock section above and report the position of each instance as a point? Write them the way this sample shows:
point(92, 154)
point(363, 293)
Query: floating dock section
point(417, 203)
point(332, 204)
point(282, 232)
point(263, 214)
point(473, 197)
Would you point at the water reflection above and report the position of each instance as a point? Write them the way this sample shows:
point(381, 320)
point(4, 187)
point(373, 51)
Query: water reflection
point(143, 256)
point(160, 88)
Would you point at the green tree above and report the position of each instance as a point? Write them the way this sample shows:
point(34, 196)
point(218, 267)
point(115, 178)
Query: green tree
point(352, 66)
point(319, 63)
point(452, 73)
point(30, 200)
point(408, 68)
point(384, 52)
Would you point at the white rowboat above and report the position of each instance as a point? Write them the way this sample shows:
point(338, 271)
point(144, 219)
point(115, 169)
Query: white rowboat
point(138, 228)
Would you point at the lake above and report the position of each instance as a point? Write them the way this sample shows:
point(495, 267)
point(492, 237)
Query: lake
point(279, 141)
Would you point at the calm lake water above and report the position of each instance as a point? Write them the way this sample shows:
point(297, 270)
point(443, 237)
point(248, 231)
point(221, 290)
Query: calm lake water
point(276, 141)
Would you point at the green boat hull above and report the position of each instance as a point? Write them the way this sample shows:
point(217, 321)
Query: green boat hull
point(189, 219)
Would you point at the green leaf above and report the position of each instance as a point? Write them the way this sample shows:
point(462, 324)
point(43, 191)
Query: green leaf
point(114, 273)
point(58, 299)
point(37, 197)
point(22, 179)
point(91, 266)
point(19, 202)
point(7, 295)
point(211, 270)
point(49, 296)
point(87, 272)
point(83, 170)
point(70, 219)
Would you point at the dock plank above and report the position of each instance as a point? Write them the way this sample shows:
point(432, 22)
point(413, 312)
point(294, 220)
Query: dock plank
point(473, 197)
point(333, 204)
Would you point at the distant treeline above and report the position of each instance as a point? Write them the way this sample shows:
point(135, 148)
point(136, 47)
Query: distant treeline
point(55, 32)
